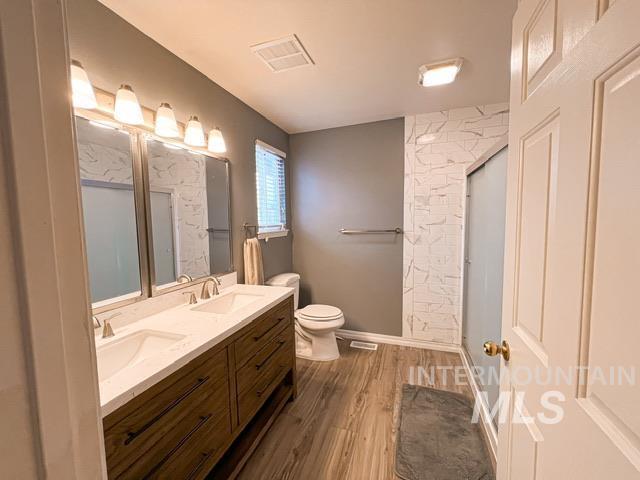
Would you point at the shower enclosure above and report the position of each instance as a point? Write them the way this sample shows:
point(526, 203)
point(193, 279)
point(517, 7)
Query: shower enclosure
point(483, 256)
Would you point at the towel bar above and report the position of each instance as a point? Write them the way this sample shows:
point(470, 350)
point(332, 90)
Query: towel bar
point(346, 231)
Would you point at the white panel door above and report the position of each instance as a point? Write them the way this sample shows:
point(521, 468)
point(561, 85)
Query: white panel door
point(572, 254)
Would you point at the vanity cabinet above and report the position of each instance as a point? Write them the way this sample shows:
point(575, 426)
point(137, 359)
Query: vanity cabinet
point(183, 426)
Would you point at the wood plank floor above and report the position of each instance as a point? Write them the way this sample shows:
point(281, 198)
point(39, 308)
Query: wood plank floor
point(343, 423)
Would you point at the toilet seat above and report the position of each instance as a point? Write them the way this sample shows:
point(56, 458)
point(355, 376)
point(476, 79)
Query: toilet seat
point(320, 326)
point(319, 319)
point(319, 313)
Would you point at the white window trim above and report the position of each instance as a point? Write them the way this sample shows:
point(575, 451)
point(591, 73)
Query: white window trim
point(271, 149)
point(270, 233)
point(266, 235)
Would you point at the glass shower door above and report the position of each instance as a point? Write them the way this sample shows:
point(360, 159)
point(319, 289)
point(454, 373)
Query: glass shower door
point(484, 251)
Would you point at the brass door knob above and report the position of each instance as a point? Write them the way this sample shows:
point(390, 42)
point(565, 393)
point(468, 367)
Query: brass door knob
point(492, 349)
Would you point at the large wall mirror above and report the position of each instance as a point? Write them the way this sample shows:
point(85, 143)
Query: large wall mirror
point(189, 199)
point(111, 224)
point(156, 215)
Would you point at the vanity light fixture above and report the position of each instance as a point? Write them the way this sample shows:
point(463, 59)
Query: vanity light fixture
point(127, 109)
point(194, 134)
point(166, 125)
point(216, 141)
point(82, 93)
point(439, 73)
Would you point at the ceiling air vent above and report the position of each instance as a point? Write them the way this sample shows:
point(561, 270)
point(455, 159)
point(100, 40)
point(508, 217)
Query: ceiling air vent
point(283, 54)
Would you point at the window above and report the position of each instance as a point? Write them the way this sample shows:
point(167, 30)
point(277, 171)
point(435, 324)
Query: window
point(271, 191)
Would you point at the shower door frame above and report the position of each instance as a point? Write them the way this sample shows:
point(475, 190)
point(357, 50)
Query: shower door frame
point(489, 428)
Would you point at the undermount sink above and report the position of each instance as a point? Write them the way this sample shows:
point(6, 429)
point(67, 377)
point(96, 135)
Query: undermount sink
point(131, 349)
point(228, 303)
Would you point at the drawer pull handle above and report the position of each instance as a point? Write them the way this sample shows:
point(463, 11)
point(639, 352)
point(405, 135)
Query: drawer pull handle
point(261, 364)
point(258, 337)
point(154, 470)
point(131, 436)
point(203, 459)
point(266, 389)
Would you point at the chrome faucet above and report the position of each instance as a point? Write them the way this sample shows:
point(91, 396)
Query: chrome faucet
point(184, 278)
point(205, 291)
point(96, 322)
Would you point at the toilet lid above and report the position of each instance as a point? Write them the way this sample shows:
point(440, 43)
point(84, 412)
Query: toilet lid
point(320, 312)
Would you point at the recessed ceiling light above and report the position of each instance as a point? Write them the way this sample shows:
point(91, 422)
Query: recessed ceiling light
point(439, 73)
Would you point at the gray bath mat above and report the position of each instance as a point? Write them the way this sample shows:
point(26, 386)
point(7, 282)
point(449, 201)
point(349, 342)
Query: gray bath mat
point(436, 439)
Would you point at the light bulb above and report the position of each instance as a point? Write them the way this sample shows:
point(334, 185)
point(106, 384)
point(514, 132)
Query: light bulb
point(194, 134)
point(166, 125)
point(127, 109)
point(216, 141)
point(82, 93)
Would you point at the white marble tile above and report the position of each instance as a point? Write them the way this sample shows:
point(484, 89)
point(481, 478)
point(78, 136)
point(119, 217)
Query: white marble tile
point(496, 131)
point(429, 138)
point(409, 129)
point(424, 118)
point(445, 143)
point(495, 108)
point(104, 163)
point(465, 113)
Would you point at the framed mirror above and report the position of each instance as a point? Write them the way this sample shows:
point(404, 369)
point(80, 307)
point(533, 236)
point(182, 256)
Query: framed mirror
point(188, 215)
point(111, 203)
point(156, 214)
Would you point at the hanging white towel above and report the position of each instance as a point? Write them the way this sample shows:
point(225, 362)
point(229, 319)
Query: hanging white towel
point(253, 271)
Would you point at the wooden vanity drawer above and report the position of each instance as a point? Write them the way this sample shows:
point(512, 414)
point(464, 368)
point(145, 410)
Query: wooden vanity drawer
point(272, 372)
point(248, 375)
point(263, 330)
point(193, 457)
point(146, 429)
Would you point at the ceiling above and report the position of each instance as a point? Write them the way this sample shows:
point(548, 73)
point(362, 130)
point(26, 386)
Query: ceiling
point(366, 53)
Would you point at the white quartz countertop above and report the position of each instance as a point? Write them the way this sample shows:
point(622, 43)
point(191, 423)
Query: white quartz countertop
point(200, 330)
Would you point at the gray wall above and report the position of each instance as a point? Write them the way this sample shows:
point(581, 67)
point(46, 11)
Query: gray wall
point(114, 52)
point(350, 177)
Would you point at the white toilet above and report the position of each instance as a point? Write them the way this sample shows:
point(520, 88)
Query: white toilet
point(315, 324)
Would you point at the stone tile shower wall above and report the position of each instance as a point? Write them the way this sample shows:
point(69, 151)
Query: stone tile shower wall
point(439, 146)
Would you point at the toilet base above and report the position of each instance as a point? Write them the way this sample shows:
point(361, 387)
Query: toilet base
point(323, 347)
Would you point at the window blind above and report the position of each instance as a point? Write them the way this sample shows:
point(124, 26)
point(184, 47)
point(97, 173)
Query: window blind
point(271, 192)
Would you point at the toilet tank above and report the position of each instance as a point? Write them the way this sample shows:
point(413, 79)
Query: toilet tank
point(291, 280)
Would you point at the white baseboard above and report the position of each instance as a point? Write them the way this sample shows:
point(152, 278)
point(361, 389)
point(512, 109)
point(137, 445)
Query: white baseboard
point(393, 340)
point(488, 426)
